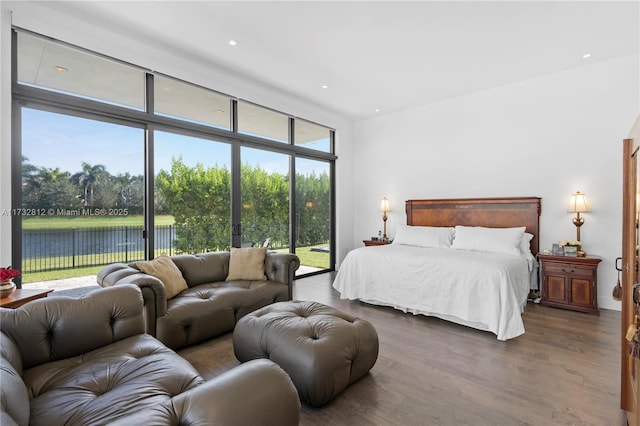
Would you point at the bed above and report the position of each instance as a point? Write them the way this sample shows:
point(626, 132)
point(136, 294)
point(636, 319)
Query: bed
point(468, 261)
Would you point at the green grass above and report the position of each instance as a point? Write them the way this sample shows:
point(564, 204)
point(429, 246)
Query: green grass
point(68, 222)
point(317, 259)
point(34, 277)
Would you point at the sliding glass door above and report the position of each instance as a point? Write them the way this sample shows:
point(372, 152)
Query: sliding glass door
point(192, 201)
point(313, 215)
point(264, 195)
point(82, 194)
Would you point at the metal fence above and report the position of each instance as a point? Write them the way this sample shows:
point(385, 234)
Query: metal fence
point(55, 249)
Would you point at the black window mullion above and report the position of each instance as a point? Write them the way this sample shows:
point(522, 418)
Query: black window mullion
point(149, 175)
point(236, 196)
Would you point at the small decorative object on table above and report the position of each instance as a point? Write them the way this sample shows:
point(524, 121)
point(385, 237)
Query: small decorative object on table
point(7, 286)
point(557, 250)
point(572, 248)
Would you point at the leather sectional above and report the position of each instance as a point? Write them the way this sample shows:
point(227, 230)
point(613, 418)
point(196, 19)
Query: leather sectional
point(88, 361)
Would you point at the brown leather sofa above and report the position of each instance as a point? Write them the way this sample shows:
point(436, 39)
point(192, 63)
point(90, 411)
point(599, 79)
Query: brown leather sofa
point(210, 306)
point(84, 361)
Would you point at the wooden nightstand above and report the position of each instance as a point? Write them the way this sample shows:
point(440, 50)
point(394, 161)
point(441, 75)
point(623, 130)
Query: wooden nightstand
point(368, 243)
point(570, 282)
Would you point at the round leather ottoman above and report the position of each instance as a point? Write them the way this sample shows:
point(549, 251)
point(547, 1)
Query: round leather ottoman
point(322, 349)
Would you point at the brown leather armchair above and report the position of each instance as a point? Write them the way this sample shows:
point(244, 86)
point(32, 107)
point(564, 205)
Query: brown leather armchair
point(88, 361)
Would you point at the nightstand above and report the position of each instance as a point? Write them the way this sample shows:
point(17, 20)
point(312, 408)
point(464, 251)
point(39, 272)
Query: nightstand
point(368, 243)
point(570, 282)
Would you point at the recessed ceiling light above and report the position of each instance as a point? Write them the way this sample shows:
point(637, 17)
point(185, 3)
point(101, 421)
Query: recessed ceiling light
point(60, 69)
point(586, 56)
point(377, 110)
point(220, 111)
point(325, 86)
point(233, 42)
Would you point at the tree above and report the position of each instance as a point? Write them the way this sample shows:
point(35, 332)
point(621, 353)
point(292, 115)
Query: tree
point(55, 189)
point(265, 205)
point(87, 180)
point(313, 209)
point(46, 187)
point(199, 199)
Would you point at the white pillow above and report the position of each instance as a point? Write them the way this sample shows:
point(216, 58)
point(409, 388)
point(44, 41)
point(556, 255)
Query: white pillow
point(525, 243)
point(424, 236)
point(493, 240)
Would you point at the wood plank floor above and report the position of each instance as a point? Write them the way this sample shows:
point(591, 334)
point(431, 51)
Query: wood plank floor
point(564, 370)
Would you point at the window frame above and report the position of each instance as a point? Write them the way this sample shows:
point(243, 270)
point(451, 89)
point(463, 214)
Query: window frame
point(32, 97)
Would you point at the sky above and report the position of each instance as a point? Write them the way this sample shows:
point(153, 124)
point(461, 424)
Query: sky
point(60, 141)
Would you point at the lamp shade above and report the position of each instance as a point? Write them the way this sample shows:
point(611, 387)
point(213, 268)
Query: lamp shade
point(578, 203)
point(384, 205)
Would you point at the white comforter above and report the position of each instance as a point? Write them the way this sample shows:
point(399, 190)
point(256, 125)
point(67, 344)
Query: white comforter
point(486, 291)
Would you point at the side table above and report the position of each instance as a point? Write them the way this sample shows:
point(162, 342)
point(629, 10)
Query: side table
point(570, 282)
point(368, 243)
point(20, 296)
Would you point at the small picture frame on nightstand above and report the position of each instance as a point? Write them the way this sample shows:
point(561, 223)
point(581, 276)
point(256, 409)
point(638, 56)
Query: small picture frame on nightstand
point(571, 251)
point(557, 250)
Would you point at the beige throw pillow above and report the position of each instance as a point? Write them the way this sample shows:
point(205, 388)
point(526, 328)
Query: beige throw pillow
point(163, 268)
point(247, 264)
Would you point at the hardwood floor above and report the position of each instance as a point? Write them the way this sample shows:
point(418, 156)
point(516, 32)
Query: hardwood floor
point(563, 370)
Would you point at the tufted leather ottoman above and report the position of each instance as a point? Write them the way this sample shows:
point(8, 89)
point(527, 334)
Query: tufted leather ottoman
point(322, 349)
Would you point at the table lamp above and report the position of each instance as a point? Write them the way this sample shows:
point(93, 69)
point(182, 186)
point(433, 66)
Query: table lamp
point(578, 203)
point(385, 208)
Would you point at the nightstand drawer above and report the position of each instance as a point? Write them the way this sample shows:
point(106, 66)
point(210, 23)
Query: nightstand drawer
point(569, 269)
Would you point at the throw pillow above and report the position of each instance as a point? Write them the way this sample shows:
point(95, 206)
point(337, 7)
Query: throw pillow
point(163, 268)
point(247, 264)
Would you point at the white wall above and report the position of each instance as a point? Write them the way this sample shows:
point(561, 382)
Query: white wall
point(93, 35)
point(5, 135)
point(546, 137)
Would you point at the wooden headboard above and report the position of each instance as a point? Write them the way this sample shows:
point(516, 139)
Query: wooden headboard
point(489, 212)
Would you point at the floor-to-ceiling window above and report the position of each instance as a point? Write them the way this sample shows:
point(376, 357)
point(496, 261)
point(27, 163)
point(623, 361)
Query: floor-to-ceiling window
point(264, 193)
point(313, 213)
point(82, 193)
point(106, 141)
point(192, 194)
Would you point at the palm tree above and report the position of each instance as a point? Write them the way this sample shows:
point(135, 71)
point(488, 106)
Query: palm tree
point(88, 178)
point(123, 186)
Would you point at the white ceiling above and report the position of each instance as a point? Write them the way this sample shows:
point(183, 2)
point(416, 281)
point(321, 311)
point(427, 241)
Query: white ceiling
point(386, 55)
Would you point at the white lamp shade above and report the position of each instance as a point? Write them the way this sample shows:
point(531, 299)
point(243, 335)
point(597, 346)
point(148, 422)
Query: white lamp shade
point(578, 203)
point(384, 205)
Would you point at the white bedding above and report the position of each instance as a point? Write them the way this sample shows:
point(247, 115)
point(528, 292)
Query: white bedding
point(487, 291)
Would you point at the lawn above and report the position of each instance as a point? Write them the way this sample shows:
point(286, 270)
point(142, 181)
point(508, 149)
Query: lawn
point(68, 222)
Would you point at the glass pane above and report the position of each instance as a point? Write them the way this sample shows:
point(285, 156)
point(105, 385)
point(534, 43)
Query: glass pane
point(265, 198)
point(192, 194)
point(82, 195)
point(185, 101)
point(255, 120)
point(48, 65)
point(311, 135)
point(313, 215)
